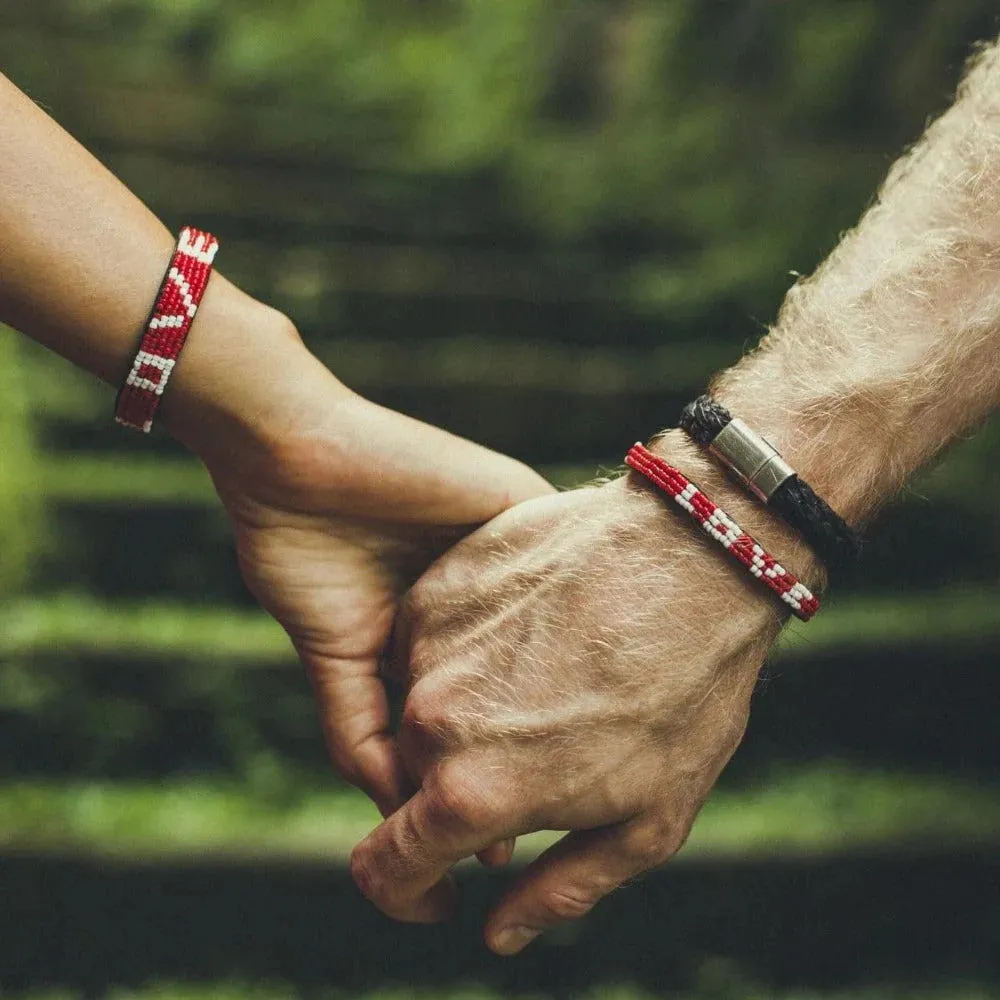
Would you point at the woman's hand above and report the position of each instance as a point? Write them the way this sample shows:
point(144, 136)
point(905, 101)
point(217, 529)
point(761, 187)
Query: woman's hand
point(338, 505)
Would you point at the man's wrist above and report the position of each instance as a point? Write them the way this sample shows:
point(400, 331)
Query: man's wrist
point(833, 446)
point(748, 512)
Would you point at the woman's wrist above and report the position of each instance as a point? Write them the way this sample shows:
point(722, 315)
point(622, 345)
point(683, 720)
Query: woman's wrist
point(245, 379)
point(268, 419)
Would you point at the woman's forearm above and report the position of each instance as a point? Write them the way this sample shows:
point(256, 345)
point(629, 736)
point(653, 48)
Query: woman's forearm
point(337, 504)
point(81, 259)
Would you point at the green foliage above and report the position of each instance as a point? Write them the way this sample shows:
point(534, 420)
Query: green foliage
point(184, 817)
point(812, 809)
point(19, 515)
point(706, 134)
point(68, 624)
point(953, 613)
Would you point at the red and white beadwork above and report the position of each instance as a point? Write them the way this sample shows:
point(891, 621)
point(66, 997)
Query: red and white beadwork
point(721, 527)
point(169, 323)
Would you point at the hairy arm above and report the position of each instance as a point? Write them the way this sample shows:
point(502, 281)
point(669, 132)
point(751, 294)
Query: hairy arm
point(892, 348)
point(585, 662)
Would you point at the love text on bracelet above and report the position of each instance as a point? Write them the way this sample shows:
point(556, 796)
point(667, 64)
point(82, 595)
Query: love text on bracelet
point(724, 530)
point(166, 330)
point(771, 479)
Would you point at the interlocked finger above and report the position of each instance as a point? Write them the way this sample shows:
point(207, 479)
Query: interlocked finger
point(402, 865)
point(569, 879)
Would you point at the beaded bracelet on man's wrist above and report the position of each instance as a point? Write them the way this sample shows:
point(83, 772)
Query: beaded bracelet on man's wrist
point(721, 528)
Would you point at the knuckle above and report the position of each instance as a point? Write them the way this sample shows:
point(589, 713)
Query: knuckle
point(364, 872)
point(420, 600)
point(458, 800)
point(428, 731)
point(566, 904)
point(651, 844)
point(413, 603)
point(427, 709)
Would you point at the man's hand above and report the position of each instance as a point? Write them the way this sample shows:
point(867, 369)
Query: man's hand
point(583, 663)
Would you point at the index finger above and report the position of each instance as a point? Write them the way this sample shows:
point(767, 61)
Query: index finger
point(354, 712)
point(401, 865)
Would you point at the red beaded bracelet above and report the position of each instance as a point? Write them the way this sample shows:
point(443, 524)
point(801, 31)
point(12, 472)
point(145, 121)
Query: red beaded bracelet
point(169, 322)
point(720, 526)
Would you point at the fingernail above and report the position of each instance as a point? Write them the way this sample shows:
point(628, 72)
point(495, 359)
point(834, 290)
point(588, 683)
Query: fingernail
point(511, 940)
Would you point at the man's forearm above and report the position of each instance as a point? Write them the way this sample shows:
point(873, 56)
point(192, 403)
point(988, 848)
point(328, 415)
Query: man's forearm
point(892, 347)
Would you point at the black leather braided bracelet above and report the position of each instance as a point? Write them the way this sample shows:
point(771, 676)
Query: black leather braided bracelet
point(759, 466)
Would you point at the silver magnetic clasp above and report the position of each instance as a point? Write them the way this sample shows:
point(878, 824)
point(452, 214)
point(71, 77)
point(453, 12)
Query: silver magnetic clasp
point(752, 459)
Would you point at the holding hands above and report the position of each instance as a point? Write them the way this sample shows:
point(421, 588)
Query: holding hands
point(580, 662)
point(336, 513)
point(574, 664)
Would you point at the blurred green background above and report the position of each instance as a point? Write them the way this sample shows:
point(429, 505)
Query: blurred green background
point(542, 225)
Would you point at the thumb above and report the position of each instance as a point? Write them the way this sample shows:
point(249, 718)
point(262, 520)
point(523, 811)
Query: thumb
point(571, 877)
point(407, 471)
point(354, 714)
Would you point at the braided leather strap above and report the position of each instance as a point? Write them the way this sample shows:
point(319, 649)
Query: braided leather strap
point(166, 331)
point(826, 532)
point(719, 526)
